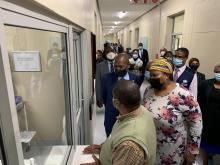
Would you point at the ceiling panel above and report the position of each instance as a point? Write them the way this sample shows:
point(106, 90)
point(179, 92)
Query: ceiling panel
point(110, 9)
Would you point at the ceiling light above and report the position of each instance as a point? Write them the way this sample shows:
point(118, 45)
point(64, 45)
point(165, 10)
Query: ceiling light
point(122, 14)
point(116, 22)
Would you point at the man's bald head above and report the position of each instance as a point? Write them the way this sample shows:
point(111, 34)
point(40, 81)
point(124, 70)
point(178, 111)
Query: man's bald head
point(121, 62)
point(127, 93)
point(122, 57)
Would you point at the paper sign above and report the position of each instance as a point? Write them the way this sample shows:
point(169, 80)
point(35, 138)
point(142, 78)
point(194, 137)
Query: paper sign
point(26, 61)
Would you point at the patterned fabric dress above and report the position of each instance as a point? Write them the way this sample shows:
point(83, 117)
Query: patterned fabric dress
point(178, 122)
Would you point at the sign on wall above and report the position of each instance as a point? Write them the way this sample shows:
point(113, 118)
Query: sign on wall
point(26, 61)
point(144, 1)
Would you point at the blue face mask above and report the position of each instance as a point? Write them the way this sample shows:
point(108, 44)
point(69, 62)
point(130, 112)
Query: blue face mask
point(146, 74)
point(217, 76)
point(177, 62)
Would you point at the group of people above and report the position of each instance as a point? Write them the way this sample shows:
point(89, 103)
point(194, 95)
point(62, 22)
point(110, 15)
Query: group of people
point(154, 117)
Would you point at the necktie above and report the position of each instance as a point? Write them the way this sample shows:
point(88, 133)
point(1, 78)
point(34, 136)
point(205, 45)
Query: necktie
point(111, 67)
point(175, 77)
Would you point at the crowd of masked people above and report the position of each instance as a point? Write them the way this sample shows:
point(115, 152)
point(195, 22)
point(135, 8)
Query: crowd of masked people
point(161, 112)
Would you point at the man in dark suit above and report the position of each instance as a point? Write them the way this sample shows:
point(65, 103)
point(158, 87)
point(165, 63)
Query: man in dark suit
point(182, 74)
point(194, 65)
point(143, 54)
point(107, 83)
point(102, 69)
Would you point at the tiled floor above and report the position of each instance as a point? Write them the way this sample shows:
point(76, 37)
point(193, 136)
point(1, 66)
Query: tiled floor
point(100, 135)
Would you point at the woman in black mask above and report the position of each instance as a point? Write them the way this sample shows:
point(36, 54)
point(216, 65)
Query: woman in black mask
point(194, 65)
point(176, 114)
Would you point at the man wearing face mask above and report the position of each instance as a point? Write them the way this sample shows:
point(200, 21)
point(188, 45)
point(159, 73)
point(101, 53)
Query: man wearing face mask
point(107, 83)
point(133, 138)
point(194, 65)
point(182, 74)
point(143, 54)
point(106, 66)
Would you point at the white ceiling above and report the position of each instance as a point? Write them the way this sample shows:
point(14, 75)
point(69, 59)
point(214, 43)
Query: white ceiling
point(110, 9)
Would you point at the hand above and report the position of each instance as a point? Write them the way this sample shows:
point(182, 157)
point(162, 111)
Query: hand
point(99, 104)
point(97, 161)
point(190, 158)
point(92, 149)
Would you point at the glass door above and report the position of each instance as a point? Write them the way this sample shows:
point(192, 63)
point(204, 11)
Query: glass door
point(79, 86)
point(2, 150)
point(39, 63)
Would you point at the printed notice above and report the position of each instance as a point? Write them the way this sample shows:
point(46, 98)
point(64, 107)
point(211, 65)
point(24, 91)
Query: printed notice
point(26, 61)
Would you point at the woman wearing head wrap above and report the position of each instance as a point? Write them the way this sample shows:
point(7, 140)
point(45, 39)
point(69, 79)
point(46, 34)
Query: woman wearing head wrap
point(176, 115)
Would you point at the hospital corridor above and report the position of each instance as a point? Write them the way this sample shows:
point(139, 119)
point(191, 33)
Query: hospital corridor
point(109, 82)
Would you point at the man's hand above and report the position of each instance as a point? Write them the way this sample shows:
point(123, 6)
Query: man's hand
point(190, 158)
point(92, 149)
point(99, 104)
point(97, 161)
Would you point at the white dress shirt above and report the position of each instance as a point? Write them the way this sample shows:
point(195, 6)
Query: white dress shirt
point(193, 86)
point(140, 52)
point(126, 77)
point(109, 65)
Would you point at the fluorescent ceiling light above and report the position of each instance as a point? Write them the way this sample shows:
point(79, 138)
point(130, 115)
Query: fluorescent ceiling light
point(116, 22)
point(122, 14)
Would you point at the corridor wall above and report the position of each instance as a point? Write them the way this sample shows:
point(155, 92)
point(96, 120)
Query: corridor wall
point(201, 31)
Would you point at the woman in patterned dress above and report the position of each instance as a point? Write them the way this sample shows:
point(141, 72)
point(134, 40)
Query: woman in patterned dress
point(176, 114)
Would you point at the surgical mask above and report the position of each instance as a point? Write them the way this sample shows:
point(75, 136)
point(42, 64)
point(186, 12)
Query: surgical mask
point(111, 56)
point(194, 67)
point(135, 55)
point(217, 77)
point(177, 62)
point(140, 47)
point(146, 75)
point(162, 53)
point(121, 73)
point(155, 83)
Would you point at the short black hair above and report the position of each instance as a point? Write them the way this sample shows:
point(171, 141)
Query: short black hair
point(128, 93)
point(184, 50)
point(140, 44)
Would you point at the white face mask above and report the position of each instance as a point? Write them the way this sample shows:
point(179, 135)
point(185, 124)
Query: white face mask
point(141, 47)
point(111, 56)
point(162, 53)
point(135, 55)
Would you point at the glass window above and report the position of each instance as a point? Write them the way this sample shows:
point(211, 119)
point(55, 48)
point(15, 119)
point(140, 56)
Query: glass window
point(177, 34)
point(40, 81)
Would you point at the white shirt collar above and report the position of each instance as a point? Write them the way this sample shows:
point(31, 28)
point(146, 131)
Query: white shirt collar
point(126, 77)
point(181, 69)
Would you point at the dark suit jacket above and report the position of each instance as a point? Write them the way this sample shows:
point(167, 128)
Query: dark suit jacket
point(101, 70)
point(108, 82)
point(201, 77)
point(145, 59)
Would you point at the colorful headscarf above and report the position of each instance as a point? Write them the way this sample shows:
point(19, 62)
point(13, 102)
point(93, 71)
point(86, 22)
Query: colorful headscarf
point(162, 65)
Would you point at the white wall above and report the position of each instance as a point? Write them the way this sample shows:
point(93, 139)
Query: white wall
point(201, 31)
point(81, 12)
